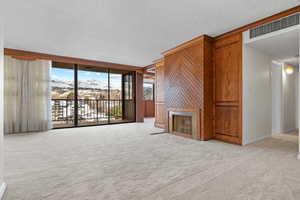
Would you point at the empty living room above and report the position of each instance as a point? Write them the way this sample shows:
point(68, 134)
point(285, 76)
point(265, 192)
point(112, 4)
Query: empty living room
point(149, 100)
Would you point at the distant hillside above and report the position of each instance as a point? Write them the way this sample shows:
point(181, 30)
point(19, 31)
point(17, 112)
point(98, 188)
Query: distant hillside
point(88, 84)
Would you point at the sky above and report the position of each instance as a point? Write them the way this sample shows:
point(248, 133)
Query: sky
point(67, 74)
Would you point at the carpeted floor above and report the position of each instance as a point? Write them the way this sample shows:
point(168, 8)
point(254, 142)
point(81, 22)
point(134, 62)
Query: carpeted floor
point(127, 162)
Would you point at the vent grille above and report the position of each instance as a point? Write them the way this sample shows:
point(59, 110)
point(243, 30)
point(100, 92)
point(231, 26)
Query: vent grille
point(275, 26)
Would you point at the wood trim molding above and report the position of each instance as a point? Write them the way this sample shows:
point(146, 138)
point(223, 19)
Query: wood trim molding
point(28, 55)
point(159, 63)
point(24, 58)
point(221, 42)
point(149, 76)
point(139, 97)
point(149, 67)
point(227, 138)
point(158, 60)
point(184, 45)
point(260, 22)
point(149, 73)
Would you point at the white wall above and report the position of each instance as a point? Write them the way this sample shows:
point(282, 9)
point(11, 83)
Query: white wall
point(284, 99)
point(277, 101)
point(2, 185)
point(290, 93)
point(297, 97)
point(299, 102)
point(257, 106)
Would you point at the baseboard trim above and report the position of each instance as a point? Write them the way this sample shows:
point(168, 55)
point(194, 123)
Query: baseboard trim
point(257, 139)
point(284, 131)
point(2, 190)
point(290, 130)
point(298, 156)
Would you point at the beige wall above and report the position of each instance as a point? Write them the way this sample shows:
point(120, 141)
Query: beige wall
point(284, 99)
point(257, 107)
point(290, 104)
point(299, 100)
point(1, 104)
point(277, 98)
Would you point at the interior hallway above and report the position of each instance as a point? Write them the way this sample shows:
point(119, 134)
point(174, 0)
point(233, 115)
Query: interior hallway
point(125, 162)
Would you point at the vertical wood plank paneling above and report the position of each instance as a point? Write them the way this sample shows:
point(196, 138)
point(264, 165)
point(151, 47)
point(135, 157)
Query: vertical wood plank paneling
point(207, 110)
point(228, 89)
point(149, 109)
point(227, 73)
point(160, 110)
point(139, 80)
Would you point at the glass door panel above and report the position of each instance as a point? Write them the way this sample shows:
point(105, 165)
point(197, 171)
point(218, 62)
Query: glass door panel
point(87, 95)
point(128, 97)
point(62, 95)
point(115, 95)
point(93, 98)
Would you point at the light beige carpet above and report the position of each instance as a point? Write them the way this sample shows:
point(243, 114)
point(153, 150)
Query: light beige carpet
point(126, 162)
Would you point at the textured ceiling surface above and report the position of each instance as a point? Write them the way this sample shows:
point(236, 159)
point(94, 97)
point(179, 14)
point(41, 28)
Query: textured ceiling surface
point(129, 32)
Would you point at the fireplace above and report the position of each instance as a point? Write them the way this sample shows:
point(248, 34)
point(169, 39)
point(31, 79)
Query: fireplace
point(183, 123)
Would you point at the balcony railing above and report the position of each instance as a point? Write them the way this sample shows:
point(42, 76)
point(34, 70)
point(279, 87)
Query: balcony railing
point(95, 111)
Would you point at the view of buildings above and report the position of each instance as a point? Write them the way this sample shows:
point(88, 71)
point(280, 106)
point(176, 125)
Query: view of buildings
point(95, 105)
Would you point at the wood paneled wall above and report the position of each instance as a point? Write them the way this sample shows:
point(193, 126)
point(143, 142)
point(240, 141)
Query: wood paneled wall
point(228, 89)
point(188, 81)
point(184, 90)
point(160, 110)
point(149, 109)
point(139, 80)
point(204, 76)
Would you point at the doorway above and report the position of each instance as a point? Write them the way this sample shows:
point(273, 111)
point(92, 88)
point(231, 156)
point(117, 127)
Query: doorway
point(271, 85)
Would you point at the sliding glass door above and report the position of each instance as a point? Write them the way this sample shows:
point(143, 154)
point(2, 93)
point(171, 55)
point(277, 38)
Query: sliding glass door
point(88, 95)
point(115, 96)
point(128, 97)
point(92, 96)
point(62, 95)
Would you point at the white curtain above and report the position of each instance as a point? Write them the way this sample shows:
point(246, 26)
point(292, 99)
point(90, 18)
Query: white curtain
point(27, 95)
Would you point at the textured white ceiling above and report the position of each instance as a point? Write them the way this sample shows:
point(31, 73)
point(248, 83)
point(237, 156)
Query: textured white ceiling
point(124, 31)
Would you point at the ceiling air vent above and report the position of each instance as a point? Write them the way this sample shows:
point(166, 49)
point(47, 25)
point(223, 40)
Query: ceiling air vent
point(280, 24)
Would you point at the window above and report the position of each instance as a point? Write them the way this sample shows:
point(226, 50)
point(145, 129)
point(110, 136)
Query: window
point(62, 95)
point(87, 95)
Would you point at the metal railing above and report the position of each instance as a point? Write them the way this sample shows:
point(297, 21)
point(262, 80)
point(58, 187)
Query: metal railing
point(89, 110)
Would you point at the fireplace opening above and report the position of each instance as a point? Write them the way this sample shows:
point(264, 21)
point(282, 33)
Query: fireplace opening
point(182, 124)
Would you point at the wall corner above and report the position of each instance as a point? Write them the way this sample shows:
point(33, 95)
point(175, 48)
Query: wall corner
point(2, 190)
